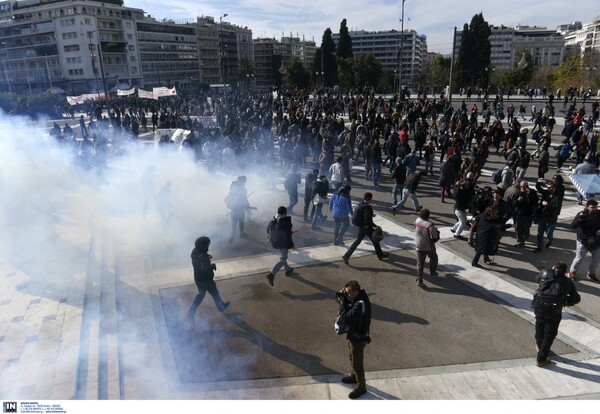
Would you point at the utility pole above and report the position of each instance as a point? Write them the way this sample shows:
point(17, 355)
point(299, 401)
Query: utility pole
point(401, 50)
point(452, 66)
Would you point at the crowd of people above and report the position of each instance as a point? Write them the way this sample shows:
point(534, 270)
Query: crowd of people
point(395, 140)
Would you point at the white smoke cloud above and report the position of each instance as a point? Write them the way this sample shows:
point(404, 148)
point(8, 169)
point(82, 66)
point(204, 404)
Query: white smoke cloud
point(50, 206)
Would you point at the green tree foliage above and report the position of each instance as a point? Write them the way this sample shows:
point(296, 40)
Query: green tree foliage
point(439, 74)
point(568, 73)
point(474, 55)
point(344, 47)
point(519, 76)
point(367, 71)
point(297, 76)
point(327, 52)
point(346, 72)
point(246, 67)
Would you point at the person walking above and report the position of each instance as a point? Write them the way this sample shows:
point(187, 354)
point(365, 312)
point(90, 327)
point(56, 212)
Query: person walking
point(308, 182)
point(463, 195)
point(204, 274)
point(587, 224)
point(336, 173)
point(548, 210)
point(426, 236)
point(292, 180)
point(341, 209)
point(487, 235)
point(363, 219)
point(237, 203)
point(447, 178)
point(280, 237)
point(399, 176)
point(355, 308)
point(410, 190)
point(525, 205)
point(555, 291)
point(320, 188)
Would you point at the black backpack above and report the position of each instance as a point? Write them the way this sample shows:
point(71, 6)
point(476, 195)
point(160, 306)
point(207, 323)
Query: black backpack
point(550, 292)
point(275, 235)
point(358, 215)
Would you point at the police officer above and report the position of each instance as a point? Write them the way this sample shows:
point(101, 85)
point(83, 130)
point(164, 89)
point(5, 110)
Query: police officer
point(357, 306)
point(555, 291)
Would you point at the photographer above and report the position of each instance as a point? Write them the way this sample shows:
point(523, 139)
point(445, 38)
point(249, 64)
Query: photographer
point(204, 273)
point(555, 291)
point(356, 310)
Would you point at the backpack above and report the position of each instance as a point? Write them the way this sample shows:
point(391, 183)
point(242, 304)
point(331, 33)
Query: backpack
point(358, 215)
point(550, 292)
point(564, 150)
point(497, 176)
point(275, 235)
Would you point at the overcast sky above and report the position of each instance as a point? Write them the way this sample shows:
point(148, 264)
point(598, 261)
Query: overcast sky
point(434, 18)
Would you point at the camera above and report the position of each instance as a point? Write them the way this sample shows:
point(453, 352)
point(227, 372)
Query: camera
point(342, 295)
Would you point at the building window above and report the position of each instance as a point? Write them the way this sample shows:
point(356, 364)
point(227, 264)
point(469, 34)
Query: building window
point(69, 35)
point(71, 48)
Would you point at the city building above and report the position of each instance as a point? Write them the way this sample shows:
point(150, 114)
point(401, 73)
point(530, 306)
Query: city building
point(403, 54)
point(545, 46)
point(168, 53)
point(76, 45)
point(272, 57)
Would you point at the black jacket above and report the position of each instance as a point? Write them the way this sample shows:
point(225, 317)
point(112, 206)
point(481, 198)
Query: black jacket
point(399, 174)
point(359, 318)
point(587, 225)
point(571, 296)
point(204, 272)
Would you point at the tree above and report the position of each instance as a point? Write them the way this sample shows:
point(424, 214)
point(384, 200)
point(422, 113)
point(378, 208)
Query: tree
point(344, 46)
point(326, 54)
point(520, 75)
point(439, 75)
point(296, 75)
point(474, 55)
point(568, 73)
point(367, 71)
point(345, 72)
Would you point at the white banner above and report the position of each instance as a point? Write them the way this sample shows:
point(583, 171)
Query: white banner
point(126, 93)
point(74, 100)
point(163, 91)
point(145, 94)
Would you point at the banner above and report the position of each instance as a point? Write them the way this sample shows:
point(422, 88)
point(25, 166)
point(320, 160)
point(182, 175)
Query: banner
point(126, 93)
point(163, 91)
point(75, 100)
point(145, 94)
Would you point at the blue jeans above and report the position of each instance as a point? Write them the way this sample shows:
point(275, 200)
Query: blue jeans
point(376, 172)
point(405, 193)
point(318, 215)
point(395, 190)
point(341, 226)
point(461, 225)
point(283, 256)
point(580, 252)
point(544, 227)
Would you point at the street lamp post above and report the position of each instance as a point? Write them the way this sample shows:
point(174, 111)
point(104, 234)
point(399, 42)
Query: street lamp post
point(222, 53)
point(4, 69)
point(401, 51)
point(27, 75)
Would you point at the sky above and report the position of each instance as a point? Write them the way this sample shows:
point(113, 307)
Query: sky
point(434, 18)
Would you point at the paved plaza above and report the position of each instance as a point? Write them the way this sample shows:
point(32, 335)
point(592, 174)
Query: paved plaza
point(92, 307)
